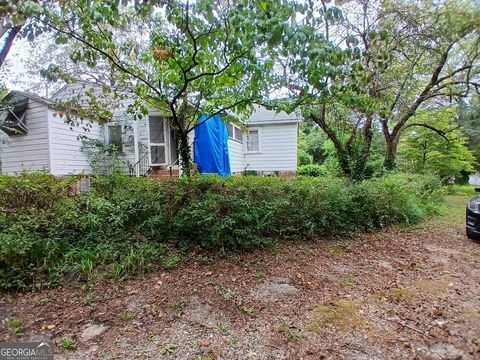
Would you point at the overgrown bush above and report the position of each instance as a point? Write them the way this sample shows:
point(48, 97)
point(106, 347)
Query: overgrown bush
point(313, 170)
point(50, 235)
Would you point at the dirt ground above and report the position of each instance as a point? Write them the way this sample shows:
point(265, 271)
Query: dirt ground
point(400, 293)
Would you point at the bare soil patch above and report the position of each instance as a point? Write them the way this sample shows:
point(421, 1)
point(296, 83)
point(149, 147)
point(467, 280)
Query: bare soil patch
point(394, 294)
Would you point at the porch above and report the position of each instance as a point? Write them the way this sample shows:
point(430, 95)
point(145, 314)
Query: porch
point(155, 149)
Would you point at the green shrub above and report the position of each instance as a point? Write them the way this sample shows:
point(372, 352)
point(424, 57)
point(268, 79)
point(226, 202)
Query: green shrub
point(50, 235)
point(304, 158)
point(313, 170)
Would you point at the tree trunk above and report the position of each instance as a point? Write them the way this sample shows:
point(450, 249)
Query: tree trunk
point(391, 152)
point(360, 164)
point(7, 43)
point(185, 153)
point(342, 155)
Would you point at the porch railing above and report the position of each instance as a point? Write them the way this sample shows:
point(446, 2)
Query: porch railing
point(142, 166)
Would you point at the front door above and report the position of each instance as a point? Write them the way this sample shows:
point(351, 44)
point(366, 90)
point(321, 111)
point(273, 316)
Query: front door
point(157, 145)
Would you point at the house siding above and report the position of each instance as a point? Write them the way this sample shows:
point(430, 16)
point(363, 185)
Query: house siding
point(278, 148)
point(67, 154)
point(28, 152)
point(237, 158)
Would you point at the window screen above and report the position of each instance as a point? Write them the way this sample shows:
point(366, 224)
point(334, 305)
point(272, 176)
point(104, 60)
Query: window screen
point(157, 133)
point(253, 143)
point(157, 154)
point(115, 136)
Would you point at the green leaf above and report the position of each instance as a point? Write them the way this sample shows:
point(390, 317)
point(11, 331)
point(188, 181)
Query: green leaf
point(61, 39)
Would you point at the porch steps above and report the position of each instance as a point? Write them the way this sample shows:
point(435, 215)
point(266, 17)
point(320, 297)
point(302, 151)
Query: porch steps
point(159, 172)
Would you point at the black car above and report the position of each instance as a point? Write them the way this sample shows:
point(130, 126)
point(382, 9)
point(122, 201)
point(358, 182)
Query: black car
point(473, 217)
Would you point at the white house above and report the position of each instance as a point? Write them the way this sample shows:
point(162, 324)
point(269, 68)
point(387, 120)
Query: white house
point(35, 138)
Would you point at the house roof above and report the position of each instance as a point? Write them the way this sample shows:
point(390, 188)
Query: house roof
point(19, 96)
point(262, 115)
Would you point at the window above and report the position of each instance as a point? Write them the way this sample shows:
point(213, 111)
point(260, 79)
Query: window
point(235, 133)
point(13, 120)
point(115, 136)
point(238, 134)
point(253, 141)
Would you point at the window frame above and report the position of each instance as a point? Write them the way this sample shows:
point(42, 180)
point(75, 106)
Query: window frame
point(259, 131)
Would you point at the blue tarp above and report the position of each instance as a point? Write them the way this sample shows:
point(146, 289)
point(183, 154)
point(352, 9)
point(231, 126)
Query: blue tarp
point(211, 146)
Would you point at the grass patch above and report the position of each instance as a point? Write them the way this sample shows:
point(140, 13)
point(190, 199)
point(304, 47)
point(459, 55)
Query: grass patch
point(290, 332)
point(434, 288)
point(339, 248)
point(126, 316)
point(15, 325)
point(452, 212)
point(462, 190)
point(397, 295)
point(344, 315)
point(472, 315)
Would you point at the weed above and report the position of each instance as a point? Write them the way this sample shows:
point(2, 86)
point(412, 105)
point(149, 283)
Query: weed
point(152, 336)
point(126, 316)
point(67, 343)
point(290, 331)
point(339, 248)
point(399, 294)
point(168, 348)
point(176, 308)
point(223, 329)
point(172, 261)
point(89, 299)
point(204, 357)
point(247, 309)
point(44, 301)
point(15, 325)
point(291, 256)
point(225, 292)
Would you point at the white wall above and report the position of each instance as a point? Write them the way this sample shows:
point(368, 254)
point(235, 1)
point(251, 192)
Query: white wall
point(278, 148)
point(66, 153)
point(28, 152)
point(237, 158)
point(474, 179)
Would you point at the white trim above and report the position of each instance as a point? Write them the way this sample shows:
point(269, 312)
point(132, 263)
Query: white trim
point(49, 138)
point(164, 144)
point(135, 148)
point(259, 151)
point(272, 122)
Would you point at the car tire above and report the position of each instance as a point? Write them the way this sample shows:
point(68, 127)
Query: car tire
point(472, 235)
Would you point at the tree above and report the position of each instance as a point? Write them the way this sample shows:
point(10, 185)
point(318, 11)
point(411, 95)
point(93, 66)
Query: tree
point(13, 22)
point(324, 74)
point(469, 119)
point(183, 59)
point(432, 53)
point(433, 142)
